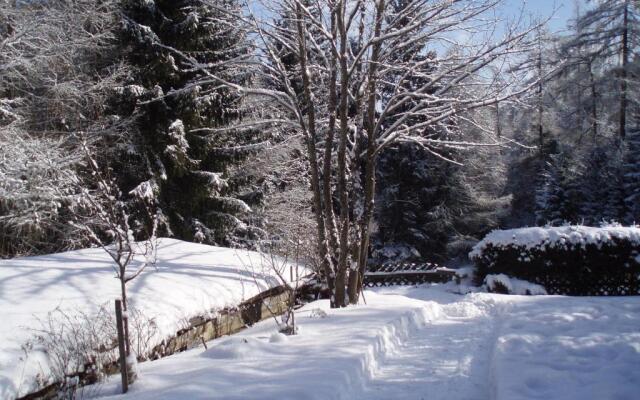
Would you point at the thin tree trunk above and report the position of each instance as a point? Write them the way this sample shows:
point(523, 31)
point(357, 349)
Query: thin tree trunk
point(125, 308)
point(623, 74)
point(313, 160)
point(357, 277)
point(355, 283)
point(326, 170)
point(341, 273)
point(594, 103)
point(125, 324)
point(540, 98)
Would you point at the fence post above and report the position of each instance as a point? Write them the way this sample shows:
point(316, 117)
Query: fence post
point(123, 355)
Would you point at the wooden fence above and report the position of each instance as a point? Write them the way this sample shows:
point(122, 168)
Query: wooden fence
point(407, 274)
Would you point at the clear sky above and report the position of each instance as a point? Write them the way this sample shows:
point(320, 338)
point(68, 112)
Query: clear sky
point(562, 10)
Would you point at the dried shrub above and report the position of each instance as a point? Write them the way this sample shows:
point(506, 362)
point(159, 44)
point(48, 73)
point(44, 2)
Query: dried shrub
point(82, 348)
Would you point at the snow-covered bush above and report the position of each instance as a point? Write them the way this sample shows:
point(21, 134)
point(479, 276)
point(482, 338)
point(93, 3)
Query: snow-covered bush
point(576, 260)
point(501, 283)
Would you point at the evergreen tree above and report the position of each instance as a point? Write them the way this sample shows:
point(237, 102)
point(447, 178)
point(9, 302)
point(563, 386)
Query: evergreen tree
point(558, 201)
point(181, 146)
point(602, 199)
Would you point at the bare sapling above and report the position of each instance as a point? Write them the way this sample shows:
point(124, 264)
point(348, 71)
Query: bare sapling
point(109, 227)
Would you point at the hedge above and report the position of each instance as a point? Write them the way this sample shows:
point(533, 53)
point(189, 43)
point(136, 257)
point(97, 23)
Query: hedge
point(571, 260)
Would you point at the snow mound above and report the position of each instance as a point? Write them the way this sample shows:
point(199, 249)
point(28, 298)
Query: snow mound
point(556, 237)
point(238, 348)
point(278, 337)
point(513, 285)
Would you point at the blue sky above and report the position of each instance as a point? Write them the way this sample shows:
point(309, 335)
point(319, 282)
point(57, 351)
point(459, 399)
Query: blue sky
point(543, 8)
point(564, 10)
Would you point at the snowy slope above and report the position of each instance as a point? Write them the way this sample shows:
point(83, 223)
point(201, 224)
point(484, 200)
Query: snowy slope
point(189, 279)
point(417, 343)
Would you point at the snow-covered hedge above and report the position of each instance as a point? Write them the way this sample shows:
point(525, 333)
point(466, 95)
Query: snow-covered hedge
point(576, 260)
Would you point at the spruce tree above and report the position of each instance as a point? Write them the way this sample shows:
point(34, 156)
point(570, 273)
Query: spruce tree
point(181, 146)
point(559, 199)
point(601, 187)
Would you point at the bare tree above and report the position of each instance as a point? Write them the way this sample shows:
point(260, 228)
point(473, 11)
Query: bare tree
point(345, 53)
point(108, 225)
point(610, 32)
point(57, 67)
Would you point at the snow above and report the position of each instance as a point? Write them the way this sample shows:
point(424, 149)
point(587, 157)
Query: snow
point(513, 285)
point(556, 236)
point(418, 343)
point(188, 280)
point(146, 190)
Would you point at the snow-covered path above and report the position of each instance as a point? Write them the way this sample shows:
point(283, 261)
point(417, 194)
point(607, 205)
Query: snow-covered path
point(418, 343)
point(446, 360)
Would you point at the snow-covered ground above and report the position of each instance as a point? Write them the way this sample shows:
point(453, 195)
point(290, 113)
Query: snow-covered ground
point(417, 343)
point(189, 280)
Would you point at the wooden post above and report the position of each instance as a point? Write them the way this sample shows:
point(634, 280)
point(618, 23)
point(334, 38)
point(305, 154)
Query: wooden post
point(121, 348)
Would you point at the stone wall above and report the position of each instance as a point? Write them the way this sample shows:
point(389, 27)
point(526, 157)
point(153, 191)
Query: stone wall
point(272, 302)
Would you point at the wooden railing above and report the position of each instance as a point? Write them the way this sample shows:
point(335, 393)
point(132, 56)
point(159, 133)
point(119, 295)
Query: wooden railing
point(407, 274)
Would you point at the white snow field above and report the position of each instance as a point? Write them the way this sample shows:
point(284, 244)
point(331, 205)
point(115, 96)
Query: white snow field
point(189, 280)
point(417, 343)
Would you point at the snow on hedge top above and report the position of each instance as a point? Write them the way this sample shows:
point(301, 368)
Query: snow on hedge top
point(556, 236)
point(188, 280)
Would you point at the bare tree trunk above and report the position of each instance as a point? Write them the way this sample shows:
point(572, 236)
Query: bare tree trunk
point(125, 316)
point(540, 98)
point(355, 283)
point(326, 170)
point(594, 102)
point(341, 274)
point(313, 160)
point(357, 277)
point(623, 73)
